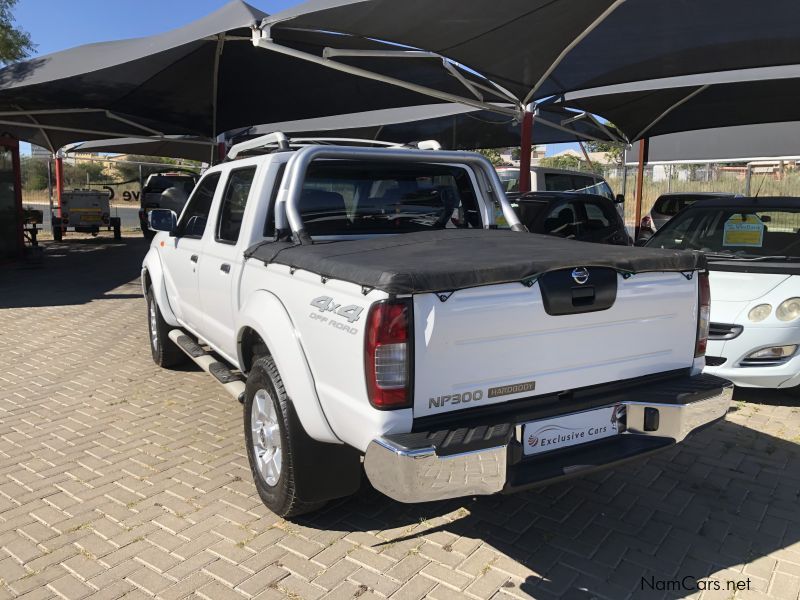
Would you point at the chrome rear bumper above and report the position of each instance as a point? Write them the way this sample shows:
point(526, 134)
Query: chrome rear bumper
point(420, 474)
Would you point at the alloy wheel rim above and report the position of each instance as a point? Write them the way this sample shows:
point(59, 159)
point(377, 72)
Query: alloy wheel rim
point(153, 326)
point(266, 436)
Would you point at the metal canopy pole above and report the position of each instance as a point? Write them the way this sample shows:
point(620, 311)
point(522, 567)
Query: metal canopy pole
point(59, 160)
point(644, 150)
point(525, 147)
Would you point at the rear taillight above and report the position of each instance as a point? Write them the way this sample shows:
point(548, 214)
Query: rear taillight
point(703, 314)
point(387, 354)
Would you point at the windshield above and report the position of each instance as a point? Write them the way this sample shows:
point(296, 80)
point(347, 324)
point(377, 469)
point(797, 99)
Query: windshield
point(758, 233)
point(343, 197)
point(510, 179)
point(159, 183)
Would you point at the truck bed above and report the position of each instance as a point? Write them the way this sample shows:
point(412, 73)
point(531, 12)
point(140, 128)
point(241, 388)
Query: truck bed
point(454, 259)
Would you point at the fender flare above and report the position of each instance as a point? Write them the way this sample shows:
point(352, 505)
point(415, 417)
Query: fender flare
point(152, 269)
point(265, 314)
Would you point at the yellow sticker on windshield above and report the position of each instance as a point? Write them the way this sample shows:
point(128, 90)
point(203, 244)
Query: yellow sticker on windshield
point(743, 230)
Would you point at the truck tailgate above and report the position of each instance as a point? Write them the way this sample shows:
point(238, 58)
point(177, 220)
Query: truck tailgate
point(493, 344)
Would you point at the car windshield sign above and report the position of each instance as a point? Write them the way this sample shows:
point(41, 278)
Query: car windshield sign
point(726, 233)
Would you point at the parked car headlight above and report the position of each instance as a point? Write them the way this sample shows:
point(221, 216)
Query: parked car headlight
point(788, 310)
point(759, 313)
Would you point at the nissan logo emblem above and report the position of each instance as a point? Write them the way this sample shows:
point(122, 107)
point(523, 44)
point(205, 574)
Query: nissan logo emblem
point(580, 275)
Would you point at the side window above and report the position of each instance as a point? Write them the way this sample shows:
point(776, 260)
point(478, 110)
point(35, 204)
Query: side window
point(585, 185)
point(561, 220)
point(194, 218)
point(595, 217)
point(231, 210)
point(557, 182)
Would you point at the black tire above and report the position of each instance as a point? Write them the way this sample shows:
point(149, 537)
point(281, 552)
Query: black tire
point(117, 233)
point(165, 352)
point(286, 496)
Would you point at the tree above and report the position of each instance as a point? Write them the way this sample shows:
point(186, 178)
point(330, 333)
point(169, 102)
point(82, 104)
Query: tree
point(34, 173)
point(129, 171)
point(563, 161)
point(493, 156)
point(15, 43)
point(515, 154)
point(615, 150)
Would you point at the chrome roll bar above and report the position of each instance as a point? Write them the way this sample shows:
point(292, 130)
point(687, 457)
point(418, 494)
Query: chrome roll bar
point(288, 202)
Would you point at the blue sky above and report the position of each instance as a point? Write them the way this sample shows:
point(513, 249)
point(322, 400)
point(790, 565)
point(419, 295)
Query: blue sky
point(59, 24)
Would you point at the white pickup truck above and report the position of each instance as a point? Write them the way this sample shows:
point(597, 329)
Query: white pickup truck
point(370, 315)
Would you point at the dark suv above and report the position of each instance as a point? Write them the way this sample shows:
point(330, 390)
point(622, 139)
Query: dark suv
point(584, 217)
point(164, 190)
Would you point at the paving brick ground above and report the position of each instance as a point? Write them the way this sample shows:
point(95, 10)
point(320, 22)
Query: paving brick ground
point(119, 479)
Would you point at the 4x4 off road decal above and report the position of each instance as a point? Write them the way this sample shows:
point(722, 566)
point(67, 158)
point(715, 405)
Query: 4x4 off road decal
point(350, 312)
point(325, 304)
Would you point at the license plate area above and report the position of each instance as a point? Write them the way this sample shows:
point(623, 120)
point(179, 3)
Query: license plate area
point(564, 431)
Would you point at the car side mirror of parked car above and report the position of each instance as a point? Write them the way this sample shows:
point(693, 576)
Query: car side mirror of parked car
point(619, 199)
point(162, 219)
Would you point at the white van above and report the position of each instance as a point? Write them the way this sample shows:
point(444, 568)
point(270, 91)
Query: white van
point(546, 179)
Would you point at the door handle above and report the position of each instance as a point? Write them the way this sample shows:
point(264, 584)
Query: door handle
point(225, 268)
point(193, 258)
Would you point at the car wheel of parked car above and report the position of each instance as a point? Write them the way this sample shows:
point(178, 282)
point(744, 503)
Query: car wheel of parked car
point(165, 352)
point(271, 429)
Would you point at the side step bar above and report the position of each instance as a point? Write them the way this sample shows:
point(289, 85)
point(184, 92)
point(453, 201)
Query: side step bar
point(232, 382)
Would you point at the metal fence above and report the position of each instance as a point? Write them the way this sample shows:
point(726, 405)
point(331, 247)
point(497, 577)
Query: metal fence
point(762, 178)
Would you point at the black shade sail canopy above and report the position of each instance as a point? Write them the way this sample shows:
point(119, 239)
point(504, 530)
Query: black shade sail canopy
point(454, 127)
point(726, 99)
point(201, 79)
point(171, 146)
point(742, 143)
point(539, 48)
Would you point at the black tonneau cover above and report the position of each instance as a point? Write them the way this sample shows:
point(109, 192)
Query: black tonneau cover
point(452, 259)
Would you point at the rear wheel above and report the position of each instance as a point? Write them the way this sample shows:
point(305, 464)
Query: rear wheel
point(270, 430)
point(165, 352)
point(58, 233)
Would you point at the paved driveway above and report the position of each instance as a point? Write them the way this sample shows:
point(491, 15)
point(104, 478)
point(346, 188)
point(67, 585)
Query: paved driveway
point(121, 479)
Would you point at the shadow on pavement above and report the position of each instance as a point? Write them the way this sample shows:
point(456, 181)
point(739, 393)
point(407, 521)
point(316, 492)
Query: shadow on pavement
point(650, 529)
point(767, 397)
point(75, 271)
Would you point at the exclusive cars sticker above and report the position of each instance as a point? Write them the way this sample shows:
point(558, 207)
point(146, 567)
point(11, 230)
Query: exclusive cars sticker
point(570, 430)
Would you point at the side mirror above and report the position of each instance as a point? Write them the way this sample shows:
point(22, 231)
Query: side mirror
point(619, 199)
point(162, 219)
point(641, 242)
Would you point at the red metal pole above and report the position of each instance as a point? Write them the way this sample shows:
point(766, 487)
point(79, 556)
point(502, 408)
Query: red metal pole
point(644, 150)
point(525, 143)
point(59, 184)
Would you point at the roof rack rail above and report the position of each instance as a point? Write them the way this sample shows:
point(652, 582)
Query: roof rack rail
point(279, 141)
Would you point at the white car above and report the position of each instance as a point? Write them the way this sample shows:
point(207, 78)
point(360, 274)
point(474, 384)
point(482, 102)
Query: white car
point(753, 249)
point(364, 307)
